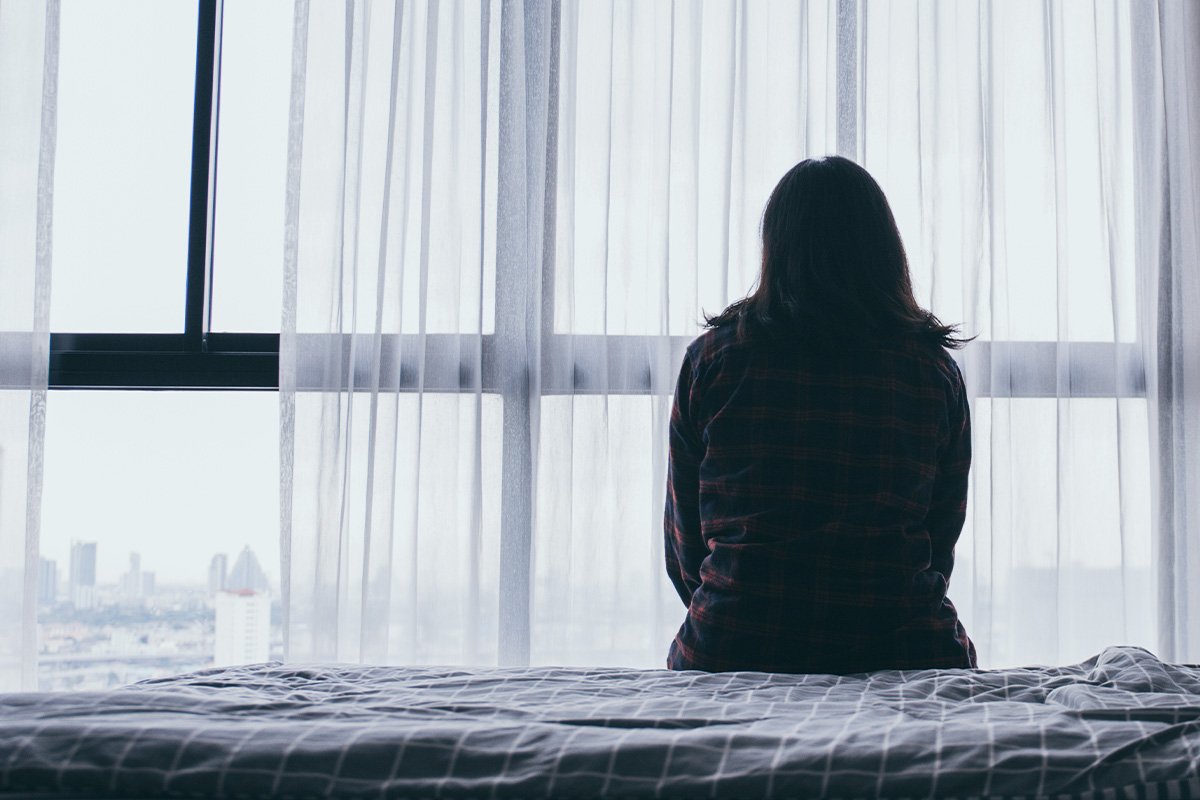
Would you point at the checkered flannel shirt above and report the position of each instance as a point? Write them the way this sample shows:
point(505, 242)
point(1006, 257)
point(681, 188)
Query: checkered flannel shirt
point(813, 504)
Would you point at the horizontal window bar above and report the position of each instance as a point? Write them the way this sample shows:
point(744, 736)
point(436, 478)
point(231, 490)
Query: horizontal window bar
point(1053, 369)
point(162, 342)
point(164, 370)
point(163, 361)
point(448, 362)
point(593, 364)
point(570, 364)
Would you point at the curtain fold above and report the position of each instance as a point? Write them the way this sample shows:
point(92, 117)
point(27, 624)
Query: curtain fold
point(507, 219)
point(1168, 146)
point(28, 97)
point(390, 446)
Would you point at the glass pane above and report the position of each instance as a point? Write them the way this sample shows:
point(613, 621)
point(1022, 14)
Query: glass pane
point(1054, 563)
point(439, 271)
point(154, 503)
point(256, 69)
point(601, 593)
point(21, 67)
point(659, 194)
point(1041, 248)
point(437, 474)
point(1012, 193)
point(123, 165)
point(428, 264)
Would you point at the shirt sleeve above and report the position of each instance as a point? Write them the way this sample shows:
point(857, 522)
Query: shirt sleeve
point(948, 506)
point(685, 547)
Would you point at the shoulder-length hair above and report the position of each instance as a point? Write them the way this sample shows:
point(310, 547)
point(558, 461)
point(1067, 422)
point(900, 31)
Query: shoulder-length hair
point(834, 271)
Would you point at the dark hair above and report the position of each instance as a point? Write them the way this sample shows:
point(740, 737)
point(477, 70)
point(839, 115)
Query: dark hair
point(833, 267)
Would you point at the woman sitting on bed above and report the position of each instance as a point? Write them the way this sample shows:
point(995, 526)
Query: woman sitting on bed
point(820, 444)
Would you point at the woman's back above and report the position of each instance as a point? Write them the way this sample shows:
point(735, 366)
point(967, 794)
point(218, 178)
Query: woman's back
point(814, 500)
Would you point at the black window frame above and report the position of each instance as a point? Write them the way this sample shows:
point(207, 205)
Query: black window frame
point(196, 358)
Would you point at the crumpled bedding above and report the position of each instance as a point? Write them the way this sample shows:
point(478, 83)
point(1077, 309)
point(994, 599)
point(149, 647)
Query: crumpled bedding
point(1121, 724)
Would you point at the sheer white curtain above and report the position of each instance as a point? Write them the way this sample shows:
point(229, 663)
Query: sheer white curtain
point(28, 83)
point(506, 219)
point(1168, 217)
point(1003, 134)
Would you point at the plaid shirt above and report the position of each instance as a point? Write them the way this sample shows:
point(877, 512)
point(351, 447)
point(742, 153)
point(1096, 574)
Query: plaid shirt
point(813, 503)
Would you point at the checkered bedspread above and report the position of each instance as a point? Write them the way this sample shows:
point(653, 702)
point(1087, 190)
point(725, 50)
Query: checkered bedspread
point(1122, 724)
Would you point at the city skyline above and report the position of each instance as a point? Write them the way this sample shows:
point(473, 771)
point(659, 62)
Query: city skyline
point(60, 581)
point(96, 635)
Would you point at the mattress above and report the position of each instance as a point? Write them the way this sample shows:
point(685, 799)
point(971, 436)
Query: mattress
point(1121, 724)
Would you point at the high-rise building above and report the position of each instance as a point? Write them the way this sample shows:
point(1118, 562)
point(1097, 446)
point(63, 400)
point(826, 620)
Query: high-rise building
point(243, 627)
point(47, 582)
point(147, 583)
point(131, 581)
point(247, 573)
point(83, 574)
point(216, 573)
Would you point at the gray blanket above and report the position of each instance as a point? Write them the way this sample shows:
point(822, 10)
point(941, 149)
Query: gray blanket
point(1122, 724)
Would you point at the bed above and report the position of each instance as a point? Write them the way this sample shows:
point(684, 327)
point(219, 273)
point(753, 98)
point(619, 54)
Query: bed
point(1122, 724)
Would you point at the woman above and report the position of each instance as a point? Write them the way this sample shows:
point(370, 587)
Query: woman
point(820, 443)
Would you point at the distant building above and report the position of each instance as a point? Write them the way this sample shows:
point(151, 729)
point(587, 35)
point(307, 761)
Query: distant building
point(82, 582)
point(131, 581)
point(247, 573)
point(47, 582)
point(216, 573)
point(243, 627)
point(147, 584)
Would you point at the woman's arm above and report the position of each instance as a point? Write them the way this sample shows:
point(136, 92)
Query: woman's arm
point(948, 507)
point(685, 547)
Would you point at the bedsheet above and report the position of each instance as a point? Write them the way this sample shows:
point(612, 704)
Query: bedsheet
point(1121, 724)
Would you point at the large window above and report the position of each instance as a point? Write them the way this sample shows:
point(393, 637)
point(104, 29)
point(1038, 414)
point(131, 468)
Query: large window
point(167, 296)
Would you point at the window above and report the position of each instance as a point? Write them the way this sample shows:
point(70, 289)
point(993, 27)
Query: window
point(206, 312)
point(148, 515)
point(134, 312)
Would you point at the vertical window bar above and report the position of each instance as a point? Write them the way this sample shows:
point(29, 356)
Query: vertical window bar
point(204, 161)
point(525, 108)
point(512, 277)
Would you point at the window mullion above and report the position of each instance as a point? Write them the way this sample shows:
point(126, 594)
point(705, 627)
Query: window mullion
point(525, 254)
point(203, 187)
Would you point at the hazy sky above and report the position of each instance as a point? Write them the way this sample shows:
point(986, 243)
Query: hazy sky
point(175, 476)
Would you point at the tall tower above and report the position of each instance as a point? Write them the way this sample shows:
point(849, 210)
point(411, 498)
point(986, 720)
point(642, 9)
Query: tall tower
point(131, 582)
point(247, 573)
point(47, 582)
point(83, 574)
point(216, 573)
point(243, 629)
